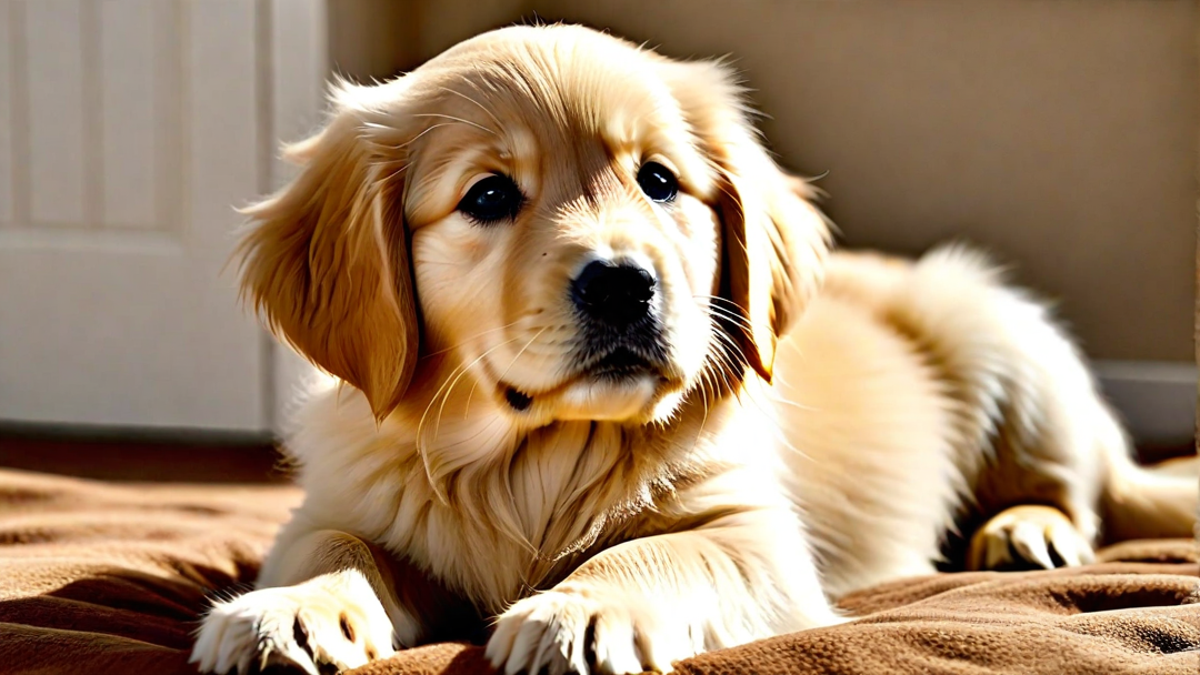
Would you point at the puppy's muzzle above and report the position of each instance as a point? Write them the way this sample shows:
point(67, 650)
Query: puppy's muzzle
point(618, 306)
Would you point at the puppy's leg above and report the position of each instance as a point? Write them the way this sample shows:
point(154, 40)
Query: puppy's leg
point(648, 602)
point(1042, 482)
point(1136, 502)
point(1032, 427)
point(1160, 501)
point(330, 604)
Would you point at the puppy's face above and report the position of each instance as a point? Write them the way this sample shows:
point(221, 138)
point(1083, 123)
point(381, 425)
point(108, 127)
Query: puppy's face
point(564, 244)
point(582, 229)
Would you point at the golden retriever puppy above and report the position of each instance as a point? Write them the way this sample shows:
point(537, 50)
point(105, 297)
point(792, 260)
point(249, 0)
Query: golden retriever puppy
point(600, 395)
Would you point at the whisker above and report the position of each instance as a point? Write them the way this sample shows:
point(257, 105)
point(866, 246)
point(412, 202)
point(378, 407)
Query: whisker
point(725, 314)
point(725, 364)
point(510, 365)
point(477, 104)
point(794, 404)
point(462, 371)
point(443, 389)
point(726, 308)
point(487, 428)
point(705, 381)
point(527, 345)
point(722, 335)
point(724, 359)
point(457, 120)
point(410, 141)
point(737, 320)
point(473, 337)
point(726, 344)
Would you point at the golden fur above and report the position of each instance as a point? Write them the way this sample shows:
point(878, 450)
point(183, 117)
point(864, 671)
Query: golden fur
point(817, 423)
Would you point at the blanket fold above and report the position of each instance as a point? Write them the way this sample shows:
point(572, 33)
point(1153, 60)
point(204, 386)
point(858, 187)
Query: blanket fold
point(98, 578)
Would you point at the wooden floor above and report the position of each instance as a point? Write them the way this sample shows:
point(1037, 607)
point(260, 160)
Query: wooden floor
point(124, 459)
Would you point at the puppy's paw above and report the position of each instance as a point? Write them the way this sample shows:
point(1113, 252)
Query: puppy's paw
point(316, 626)
point(1028, 537)
point(576, 632)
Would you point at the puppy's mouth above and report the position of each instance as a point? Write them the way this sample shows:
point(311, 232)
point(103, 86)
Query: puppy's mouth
point(619, 372)
point(620, 363)
point(517, 400)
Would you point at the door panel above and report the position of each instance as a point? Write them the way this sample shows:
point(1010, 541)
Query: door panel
point(129, 129)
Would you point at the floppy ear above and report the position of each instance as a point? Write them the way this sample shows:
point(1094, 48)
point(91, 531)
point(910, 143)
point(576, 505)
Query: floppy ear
point(774, 240)
point(326, 263)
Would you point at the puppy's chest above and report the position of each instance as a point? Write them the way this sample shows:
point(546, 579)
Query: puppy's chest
point(511, 522)
point(496, 532)
point(478, 559)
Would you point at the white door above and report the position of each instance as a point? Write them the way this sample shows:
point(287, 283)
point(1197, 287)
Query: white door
point(129, 130)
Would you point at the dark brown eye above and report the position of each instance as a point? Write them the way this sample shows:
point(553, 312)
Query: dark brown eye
point(492, 199)
point(658, 182)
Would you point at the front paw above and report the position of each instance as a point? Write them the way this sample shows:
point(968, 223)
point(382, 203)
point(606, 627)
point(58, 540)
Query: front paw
point(309, 626)
point(574, 631)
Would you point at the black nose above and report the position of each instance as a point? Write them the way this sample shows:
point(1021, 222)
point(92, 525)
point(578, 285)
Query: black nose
point(615, 294)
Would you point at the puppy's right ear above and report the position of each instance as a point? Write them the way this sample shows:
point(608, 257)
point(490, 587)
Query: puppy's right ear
point(325, 262)
point(774, 240)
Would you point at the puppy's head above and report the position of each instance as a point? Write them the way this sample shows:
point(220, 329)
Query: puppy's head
point(585, 229)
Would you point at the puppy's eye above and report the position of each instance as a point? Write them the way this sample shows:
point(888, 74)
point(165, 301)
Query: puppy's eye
point(492, 199)
point(658, 182)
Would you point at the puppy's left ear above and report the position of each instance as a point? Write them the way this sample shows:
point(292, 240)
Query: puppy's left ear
point(774, 240)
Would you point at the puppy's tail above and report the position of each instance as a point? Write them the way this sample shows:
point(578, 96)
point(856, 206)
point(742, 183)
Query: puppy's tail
point(1148, 502)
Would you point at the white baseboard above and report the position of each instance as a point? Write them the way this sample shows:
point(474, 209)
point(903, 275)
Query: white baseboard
point(1156, 399)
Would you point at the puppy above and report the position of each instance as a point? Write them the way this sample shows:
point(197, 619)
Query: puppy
point(598, 385)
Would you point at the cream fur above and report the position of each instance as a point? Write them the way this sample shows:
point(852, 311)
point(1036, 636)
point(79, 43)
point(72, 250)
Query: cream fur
point(819, 423)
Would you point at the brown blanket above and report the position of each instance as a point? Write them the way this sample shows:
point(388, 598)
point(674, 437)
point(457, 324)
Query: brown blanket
point(106, 579)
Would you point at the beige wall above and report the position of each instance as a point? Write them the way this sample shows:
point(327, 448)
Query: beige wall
point(1060, 134)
